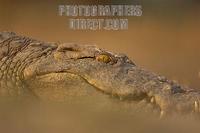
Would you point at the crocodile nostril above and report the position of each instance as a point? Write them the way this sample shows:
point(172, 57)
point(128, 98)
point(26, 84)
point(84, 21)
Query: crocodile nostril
point(177, 89)
point(173, 89)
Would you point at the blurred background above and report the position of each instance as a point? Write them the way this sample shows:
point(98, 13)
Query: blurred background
point(165, 39)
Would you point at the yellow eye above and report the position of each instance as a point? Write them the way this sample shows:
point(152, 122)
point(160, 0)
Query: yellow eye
point(103, 58)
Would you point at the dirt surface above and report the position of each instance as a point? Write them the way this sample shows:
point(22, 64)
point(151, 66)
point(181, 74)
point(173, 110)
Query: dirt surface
point(165, 40)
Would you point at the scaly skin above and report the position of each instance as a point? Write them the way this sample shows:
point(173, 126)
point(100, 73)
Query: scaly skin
point(38, 68)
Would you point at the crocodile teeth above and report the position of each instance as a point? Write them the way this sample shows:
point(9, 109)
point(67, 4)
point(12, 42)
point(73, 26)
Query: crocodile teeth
point(120, 98)
point(152, 100)
point(196, 106)
point(162, 114)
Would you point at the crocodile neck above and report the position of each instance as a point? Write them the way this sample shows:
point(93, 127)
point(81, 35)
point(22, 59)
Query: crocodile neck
point(15, 56)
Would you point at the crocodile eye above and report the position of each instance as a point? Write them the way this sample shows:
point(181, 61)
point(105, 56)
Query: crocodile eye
point(103, 58)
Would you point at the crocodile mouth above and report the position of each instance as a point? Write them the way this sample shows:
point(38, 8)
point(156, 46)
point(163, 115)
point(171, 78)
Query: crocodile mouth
point(147, 102)
point(143, 101)
point(70, 80)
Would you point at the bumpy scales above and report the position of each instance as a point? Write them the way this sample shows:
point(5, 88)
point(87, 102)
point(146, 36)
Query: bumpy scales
point(60, 71)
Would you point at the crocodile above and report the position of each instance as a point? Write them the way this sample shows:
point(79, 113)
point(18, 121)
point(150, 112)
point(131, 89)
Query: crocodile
point(37, 68)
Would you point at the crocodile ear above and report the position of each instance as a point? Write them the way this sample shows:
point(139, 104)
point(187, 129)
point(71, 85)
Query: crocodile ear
point(68, 47)
point(66, 51)
point(74, 51)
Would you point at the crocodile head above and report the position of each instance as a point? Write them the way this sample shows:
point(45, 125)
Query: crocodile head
point(74, 67)
point(64, 71)
point(71, 65)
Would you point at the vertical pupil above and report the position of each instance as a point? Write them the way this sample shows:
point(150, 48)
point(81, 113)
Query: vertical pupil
point(105, 58)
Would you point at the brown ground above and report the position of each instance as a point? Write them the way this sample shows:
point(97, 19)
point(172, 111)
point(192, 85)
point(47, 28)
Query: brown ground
point(165, 40)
